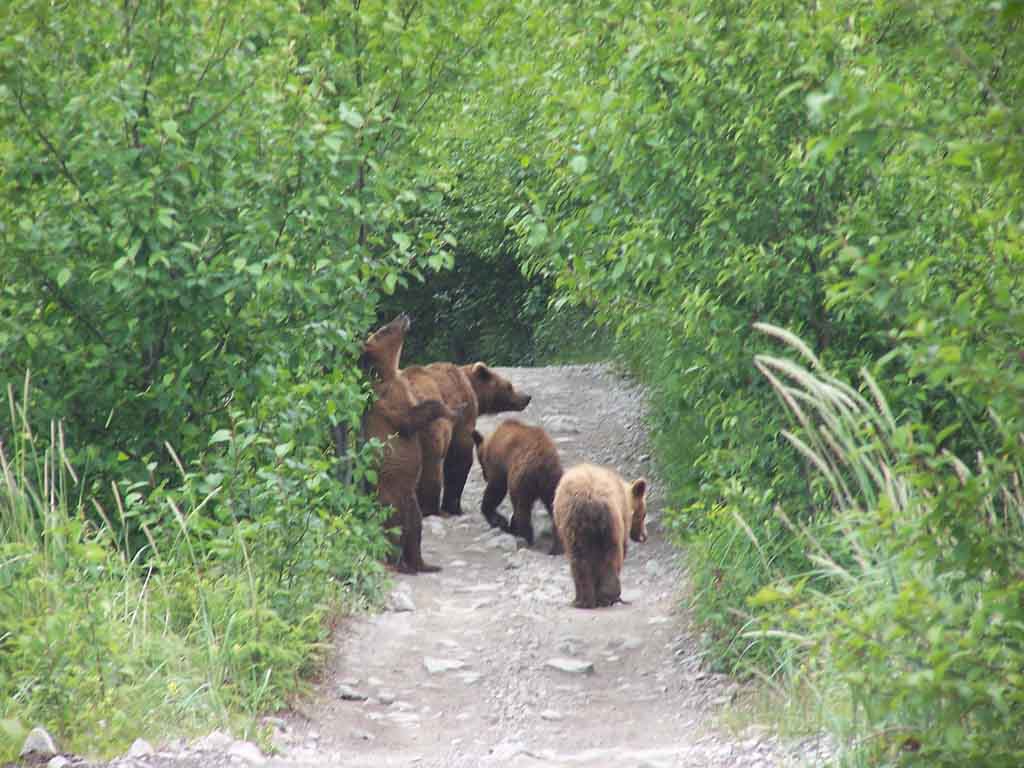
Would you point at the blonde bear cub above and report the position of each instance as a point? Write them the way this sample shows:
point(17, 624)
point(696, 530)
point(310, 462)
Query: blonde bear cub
point(595, 510)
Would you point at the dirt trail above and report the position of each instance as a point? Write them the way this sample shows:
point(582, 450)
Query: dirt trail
point(458, 672)
point(464, 678)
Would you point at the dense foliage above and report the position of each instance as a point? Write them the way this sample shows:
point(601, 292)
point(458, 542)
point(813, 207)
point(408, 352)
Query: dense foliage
point(201, 205)
point(205, 205)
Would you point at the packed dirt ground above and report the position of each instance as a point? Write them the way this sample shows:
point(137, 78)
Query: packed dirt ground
point(486, 663)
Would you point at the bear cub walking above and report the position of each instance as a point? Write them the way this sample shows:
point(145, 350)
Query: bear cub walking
point(595, 509)
point(522, 461)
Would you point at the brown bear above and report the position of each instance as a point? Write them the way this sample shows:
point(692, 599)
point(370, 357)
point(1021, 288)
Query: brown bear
point(448, 449)
point(397, 419)
point(595, 509)
point(523, 461)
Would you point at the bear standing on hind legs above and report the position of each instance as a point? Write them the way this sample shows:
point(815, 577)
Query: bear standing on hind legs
point(595, 510)
point(522, 461)
point(396, 418)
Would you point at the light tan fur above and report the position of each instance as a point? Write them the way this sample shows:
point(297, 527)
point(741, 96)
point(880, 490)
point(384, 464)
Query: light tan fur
point(595, 509)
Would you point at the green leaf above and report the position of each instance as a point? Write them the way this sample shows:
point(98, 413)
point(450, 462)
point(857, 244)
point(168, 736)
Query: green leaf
point(63, 276)
point(402, 240)
point(578, 165)
point(350, 116)
point(220, 436)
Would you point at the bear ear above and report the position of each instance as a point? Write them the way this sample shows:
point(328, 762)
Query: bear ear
point(478, 438)
point(481, 371)
point(639, 488)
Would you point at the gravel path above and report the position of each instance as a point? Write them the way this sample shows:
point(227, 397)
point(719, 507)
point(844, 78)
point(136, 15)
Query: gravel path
point(487, 664)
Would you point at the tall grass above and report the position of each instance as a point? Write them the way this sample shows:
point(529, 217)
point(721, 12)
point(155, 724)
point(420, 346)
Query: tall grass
point(911, 622)
point(101, 642)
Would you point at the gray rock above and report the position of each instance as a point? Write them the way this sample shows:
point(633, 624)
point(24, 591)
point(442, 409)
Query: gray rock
point(247, 751)
point(436, 666)
point(58, 762)
point(504, 542)
point(400, 601)
point(572, 666)
point(217, 741)
point(435, 525)
point(348, 693)
point(551, 714)
point(39, 742)
point(359, 733)
point(387, 698)
point(276, 722)
point(141, 748)
point(653, 568)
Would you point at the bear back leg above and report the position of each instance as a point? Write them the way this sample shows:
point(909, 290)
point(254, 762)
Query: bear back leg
point(411, 558)
point(428, 493)
point(497, 485)
point(522, 515)
point(458, 461)
point(609, 588)
point(583, 577)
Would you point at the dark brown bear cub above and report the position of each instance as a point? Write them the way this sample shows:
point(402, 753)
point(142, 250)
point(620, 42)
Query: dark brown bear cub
point(595, 509)
point(522, 461)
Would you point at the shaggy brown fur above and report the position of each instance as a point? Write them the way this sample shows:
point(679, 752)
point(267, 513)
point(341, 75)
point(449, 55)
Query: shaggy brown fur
point(397, 419)
point(448, 449)
point(594, 510)
point(523, 461)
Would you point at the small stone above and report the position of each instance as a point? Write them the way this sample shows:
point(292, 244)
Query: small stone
point(470, 678)
point(503, 542)
point(435, 525)
point(58, 762)
point(217, 741)
point(457, 564)
point(247, 751)
point(362, 735)
point(141, 748)
point(572, 666)
point(387, 698)
point(276, 722)
point(436, 666)
point(39, 742)
point(400, 601)
point(506, 750)
point(348, 693)
point(551, 714)
point(653, 568)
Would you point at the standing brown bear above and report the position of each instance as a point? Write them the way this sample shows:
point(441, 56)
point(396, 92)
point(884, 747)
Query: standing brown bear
point(595, 509)
point(448, 448)
point(522, 461)
point(397, 419)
